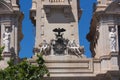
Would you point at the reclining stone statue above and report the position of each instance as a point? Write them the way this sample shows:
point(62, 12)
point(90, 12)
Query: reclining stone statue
point(74, 48)
point(45, 48)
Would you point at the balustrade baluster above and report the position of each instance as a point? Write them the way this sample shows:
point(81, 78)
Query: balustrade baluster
point(56, 1)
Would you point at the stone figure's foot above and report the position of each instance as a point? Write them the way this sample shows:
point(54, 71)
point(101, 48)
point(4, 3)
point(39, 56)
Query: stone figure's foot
point(83, 56)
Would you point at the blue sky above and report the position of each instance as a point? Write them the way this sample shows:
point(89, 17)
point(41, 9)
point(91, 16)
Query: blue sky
point(28, 29)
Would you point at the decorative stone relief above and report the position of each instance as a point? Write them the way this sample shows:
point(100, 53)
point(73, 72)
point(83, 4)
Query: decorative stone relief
point(44, 47)
point(59, 44)
point(74, 48)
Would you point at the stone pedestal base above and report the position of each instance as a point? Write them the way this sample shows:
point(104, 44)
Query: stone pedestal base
point(7, 55)
point(70, 67)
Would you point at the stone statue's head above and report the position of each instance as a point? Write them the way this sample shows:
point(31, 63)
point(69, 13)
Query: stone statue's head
point(112, 30)
point(6, 29)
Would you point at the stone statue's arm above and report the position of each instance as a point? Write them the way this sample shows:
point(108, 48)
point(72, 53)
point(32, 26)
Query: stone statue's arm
point(4, 36)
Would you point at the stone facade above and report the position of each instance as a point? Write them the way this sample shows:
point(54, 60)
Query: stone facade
point(10, 29)
point(51, 14)
point(106, 17)
point(48, 15)
point(104, 35)
point(56, 23)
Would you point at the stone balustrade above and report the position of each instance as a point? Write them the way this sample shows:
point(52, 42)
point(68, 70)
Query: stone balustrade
point(56, 2)
point(52, 1)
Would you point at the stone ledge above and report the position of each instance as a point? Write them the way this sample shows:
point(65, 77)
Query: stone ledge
point(67, 65)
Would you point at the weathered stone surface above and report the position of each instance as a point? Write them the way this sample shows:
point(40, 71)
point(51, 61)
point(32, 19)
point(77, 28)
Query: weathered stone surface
point(10, 19)
point(52, 14)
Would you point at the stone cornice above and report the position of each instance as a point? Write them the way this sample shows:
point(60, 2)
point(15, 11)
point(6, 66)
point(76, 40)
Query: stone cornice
point(9, 8)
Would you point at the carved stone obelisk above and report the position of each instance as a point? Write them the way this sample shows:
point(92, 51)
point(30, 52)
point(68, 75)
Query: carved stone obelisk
point(56, 22)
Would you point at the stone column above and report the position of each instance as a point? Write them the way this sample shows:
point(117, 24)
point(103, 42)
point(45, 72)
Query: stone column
point(38, 38)
point(2, 31)
point(16, 39)
point(13, 36)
